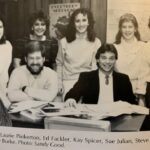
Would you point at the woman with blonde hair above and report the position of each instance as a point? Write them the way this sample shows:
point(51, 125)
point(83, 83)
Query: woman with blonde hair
point(130, 53)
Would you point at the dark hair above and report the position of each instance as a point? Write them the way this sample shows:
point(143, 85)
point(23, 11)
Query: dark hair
point(126, 18)
point(106, 48)
point(71, 30)
point(3, 39)
point(38, 16)
point(34, 46)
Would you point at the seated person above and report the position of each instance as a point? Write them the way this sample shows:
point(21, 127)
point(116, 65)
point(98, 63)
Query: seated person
point(33, 80)
point(103, 85)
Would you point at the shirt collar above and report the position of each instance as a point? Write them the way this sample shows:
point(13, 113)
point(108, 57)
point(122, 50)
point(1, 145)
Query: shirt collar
point(101, 73)
point(42, 39)
point(78, 36)
point(123, 41)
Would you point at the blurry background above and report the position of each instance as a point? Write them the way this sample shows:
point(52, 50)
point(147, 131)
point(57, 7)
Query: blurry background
point(16, 14)
point(106, 14)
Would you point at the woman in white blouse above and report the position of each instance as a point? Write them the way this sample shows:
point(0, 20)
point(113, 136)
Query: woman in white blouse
point(146, 68)
point(77, 50)
point(130, 51)
point(5, 61)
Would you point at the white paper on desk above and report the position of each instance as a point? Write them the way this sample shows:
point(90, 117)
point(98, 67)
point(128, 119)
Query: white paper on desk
point(33, 114)
point(100, 111)
point(140, 110)
point(24, 105)
point(64, 112)
point(112, 110)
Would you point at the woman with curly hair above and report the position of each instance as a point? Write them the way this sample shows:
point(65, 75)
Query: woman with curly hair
point(39, 27)
point(77, 50)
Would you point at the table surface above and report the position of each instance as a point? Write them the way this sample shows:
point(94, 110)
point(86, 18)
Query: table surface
point(120, 123)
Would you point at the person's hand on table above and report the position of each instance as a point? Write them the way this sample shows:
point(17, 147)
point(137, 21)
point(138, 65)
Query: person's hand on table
point(71, 103)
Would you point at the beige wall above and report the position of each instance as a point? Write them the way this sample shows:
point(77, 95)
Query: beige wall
point(139, 8)
point(17, 13)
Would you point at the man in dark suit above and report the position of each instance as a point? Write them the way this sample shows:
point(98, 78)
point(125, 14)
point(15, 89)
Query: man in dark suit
point(103, 85)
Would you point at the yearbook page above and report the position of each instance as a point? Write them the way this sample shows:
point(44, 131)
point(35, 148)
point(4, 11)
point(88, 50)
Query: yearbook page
point(74, 74)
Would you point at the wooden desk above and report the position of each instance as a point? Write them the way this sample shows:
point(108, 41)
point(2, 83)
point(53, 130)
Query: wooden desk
point(122, 123)
point(77, 124)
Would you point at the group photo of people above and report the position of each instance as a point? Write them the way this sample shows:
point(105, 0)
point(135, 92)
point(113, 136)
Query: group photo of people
point(76, 66)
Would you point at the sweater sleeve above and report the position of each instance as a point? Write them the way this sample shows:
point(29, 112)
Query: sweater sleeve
point(60, 63)
point(47, 94)
point(6, 57)
point(144, 71)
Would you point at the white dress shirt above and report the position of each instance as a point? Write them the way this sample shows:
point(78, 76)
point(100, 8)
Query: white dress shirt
point(105, 90)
